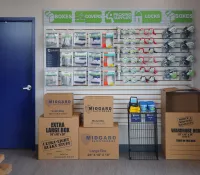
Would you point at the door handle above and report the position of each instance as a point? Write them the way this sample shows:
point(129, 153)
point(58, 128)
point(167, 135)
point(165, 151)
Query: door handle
point(28, 88)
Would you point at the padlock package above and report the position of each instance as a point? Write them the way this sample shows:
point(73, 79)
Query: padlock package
point(95, 39)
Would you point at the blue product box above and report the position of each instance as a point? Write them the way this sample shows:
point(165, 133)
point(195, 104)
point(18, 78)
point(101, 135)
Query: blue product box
point(135, 117)
point(150, 118)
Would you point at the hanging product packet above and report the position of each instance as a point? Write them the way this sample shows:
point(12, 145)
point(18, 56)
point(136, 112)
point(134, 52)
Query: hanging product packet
point(51, 78)
point(107, 40)
point(80, 78)
point(66, 39)
point(109, 78)
point(80, 58)
point(109, 59)
point(52, 40)
point(66, 78)
point(94, 77)
point(94, 59)
point(66, 58)
point(80, 39)
point(95, 39)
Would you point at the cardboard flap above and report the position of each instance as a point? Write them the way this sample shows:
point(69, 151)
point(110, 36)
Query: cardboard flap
point(173, 89)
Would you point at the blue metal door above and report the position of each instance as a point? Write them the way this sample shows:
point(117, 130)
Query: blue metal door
point(17, 88)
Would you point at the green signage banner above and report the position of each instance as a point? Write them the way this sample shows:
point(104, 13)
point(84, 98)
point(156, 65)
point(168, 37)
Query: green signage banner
point(115, 17)
point(58, 16)
point(118, 16)
point(148, 16)
point(88, 16)
point(179, 16)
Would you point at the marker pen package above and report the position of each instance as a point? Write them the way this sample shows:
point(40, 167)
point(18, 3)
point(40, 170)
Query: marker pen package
point(109, 78)
point(51, 77)
point(66, 58)
point(80, 39)
point(80, 78)
point(66, 39)
point(94, 59)
point(52, 40)
point(95, 39)
point(94, 77)
point(109, 59)
point(80, 59)
point(107, 40)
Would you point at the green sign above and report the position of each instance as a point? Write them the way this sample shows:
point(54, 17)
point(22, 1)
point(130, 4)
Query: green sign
point(88, 16)
point(180, 16)
point(148, 16)
point(58, 16)
point(118, 17)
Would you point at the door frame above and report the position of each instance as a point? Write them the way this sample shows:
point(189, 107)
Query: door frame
point(32, 20)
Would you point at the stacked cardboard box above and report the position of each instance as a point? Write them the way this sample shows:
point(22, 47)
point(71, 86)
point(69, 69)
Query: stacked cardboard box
point(58, 128)
point(181, 124)
point(98, 135)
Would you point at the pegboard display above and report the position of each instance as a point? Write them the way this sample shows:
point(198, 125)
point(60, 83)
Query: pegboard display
point(100, 52)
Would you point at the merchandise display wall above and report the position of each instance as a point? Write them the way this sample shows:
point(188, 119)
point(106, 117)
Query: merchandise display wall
point(35, 9)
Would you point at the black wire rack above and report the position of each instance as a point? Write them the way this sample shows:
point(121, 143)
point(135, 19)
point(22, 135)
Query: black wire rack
point(142, 136)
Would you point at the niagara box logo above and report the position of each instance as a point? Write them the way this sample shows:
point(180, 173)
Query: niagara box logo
point(179, 16)
point(58, 16)
point(89, 109)
point(118, 16)
point(88, 16)
point(86, 139)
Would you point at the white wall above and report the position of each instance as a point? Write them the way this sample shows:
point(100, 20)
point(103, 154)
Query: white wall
point(34, 8)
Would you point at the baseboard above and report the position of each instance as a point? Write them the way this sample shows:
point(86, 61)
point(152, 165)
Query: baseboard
point(123, 148)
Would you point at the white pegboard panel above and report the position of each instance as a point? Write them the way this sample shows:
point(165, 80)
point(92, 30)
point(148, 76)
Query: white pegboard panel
point(122, 92)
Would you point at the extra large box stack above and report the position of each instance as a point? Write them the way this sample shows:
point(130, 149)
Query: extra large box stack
point(181, 124)
point(58, 128)
point(98, 135)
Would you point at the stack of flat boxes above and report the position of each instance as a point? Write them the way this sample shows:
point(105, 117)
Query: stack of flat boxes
point(58, 128)
point(98, 134)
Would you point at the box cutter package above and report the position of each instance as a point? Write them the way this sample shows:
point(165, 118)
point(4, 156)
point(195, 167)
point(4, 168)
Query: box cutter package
point(66, 39)
point(80, 39)
point(58, 138)
point(80, 58)
point(109, 78)
point(107, 40)
point(80, 77)
point(95, 39)
point(66, 58)
point(66, 78)
point(109, 59)
point(52, 40)
point(94, 77)
point(94, 59)
point(51, 78)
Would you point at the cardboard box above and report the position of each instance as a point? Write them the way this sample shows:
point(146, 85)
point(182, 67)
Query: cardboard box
point(181, 124)
point(58, 105)
point(98, 111)
point(58, 138)
point(99, 143)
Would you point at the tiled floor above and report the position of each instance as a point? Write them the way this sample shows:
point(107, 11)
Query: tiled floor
point(25, 163)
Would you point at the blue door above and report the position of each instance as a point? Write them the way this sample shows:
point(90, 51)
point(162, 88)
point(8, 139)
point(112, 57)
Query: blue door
point(17, 88)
